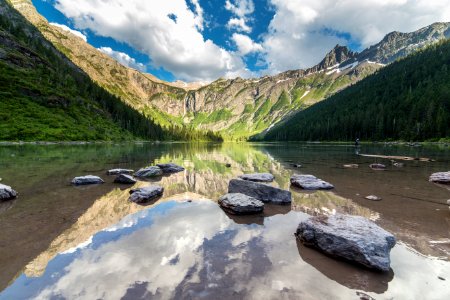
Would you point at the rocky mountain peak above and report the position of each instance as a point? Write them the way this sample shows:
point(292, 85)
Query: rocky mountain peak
point(336, 56)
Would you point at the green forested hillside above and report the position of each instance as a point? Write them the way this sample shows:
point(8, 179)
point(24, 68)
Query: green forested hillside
point(43, 96)
point(407, 100)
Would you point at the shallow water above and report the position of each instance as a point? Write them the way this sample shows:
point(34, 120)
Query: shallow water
point(60, 241)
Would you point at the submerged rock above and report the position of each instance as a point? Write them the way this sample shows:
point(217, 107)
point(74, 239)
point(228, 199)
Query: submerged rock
point(351, 166)
point(296, 165)
point(373, 198)
point(258, 177)
point(145, 194)
point(398, 165)
point(7, 193)
point(259, 191)
point(240, 204)
point(88, 179)
point(310, 182)
point(377, 166)
point(353, 238)
point(124, 178)
point(170, 168)
point(152, 171)
point(440, 177)
point(119, 171)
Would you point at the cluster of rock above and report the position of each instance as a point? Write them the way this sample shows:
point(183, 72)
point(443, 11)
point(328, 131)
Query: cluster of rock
point(158, 170)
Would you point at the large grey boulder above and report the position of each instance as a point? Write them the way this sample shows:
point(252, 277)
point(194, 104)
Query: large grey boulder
point(259, 191)
point(88, 179)
point(119, 171)
point(310, 182)
point(240, 204)
point(353, 238)
point(170, 168)
point(125, 179)
point(145, 194)
point(7, 193)
point(440, 177)
point(152, 171)
point(258, 177)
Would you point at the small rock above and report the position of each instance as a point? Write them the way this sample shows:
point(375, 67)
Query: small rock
point(440, 177)
point(124, 178)
point(351, 166)
point(441, 278)
point(377, 166)
point(149, 172)
point(353, 238)
point(228, 165)
point(240, 204)
point(145, 194)
point(88, 179)
point(398, 165)
point(258, 177)
point(373, 198)
point(119, 171)
point(296, 165)
point(170, 168)
point(7, 193)
point(310, 182)
point(260, 191)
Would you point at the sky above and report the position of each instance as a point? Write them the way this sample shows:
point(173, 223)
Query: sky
point(200, 40)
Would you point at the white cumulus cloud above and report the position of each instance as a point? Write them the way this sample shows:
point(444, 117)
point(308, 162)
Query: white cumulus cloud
point(123, 58)
point(241, 9)
point(245, 44)
point(74, 32)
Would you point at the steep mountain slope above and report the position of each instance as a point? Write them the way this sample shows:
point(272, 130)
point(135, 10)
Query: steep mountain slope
point(408, 100)
point(236, 108)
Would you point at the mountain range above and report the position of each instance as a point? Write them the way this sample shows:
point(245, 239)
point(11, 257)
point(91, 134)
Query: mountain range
point(233, 108)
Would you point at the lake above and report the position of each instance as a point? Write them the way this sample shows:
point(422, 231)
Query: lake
point(59, 241)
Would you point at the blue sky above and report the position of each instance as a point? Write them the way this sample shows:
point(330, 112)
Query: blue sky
point(199, 40)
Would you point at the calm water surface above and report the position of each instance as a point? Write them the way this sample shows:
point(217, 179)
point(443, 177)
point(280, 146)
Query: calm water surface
point(63, 242)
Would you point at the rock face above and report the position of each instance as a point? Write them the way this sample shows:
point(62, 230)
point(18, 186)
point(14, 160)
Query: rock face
point(170, 168)
point(260, 191)
point(149, 172)
point(240, 204)
point(7, 193)
point(353, 238)
point(373, 198)
point(377, 166)
point(145, 194)
point(440, 177)
point(310, 182)
point(119, 171)
point(124, 178)
point(88, 179)
point(258, 177)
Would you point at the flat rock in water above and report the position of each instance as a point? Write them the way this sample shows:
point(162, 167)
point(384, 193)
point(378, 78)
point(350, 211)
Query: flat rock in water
point(260, 191)
point(377, 166)
point(440, 177)
point(240, 204)
point(7, 193)
point(125, 178)
point(351, 166)
point(88, 179)
point(145, 194)
point(373, 198)
point(310, 182)
point(152, 171)
point(353, 238)
point(119, 171)
point(170, 168)
point(258, 177)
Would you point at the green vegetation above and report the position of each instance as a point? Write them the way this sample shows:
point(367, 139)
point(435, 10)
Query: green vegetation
point(407, 100)
point(214, 117)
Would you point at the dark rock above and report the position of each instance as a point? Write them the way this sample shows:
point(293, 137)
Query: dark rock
point(310, 182)
point(377, 166)
point(240, 204)
point(124, 178)
point(119, 171)
point(145, 194)
point(149, 172)
point(259, 191)
point(88, 179)
point(228, 165)
point(296, 165)
point(170, 168)
point(258, 177)
point(440, 177)
point(353, 238)
point(7, 193)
